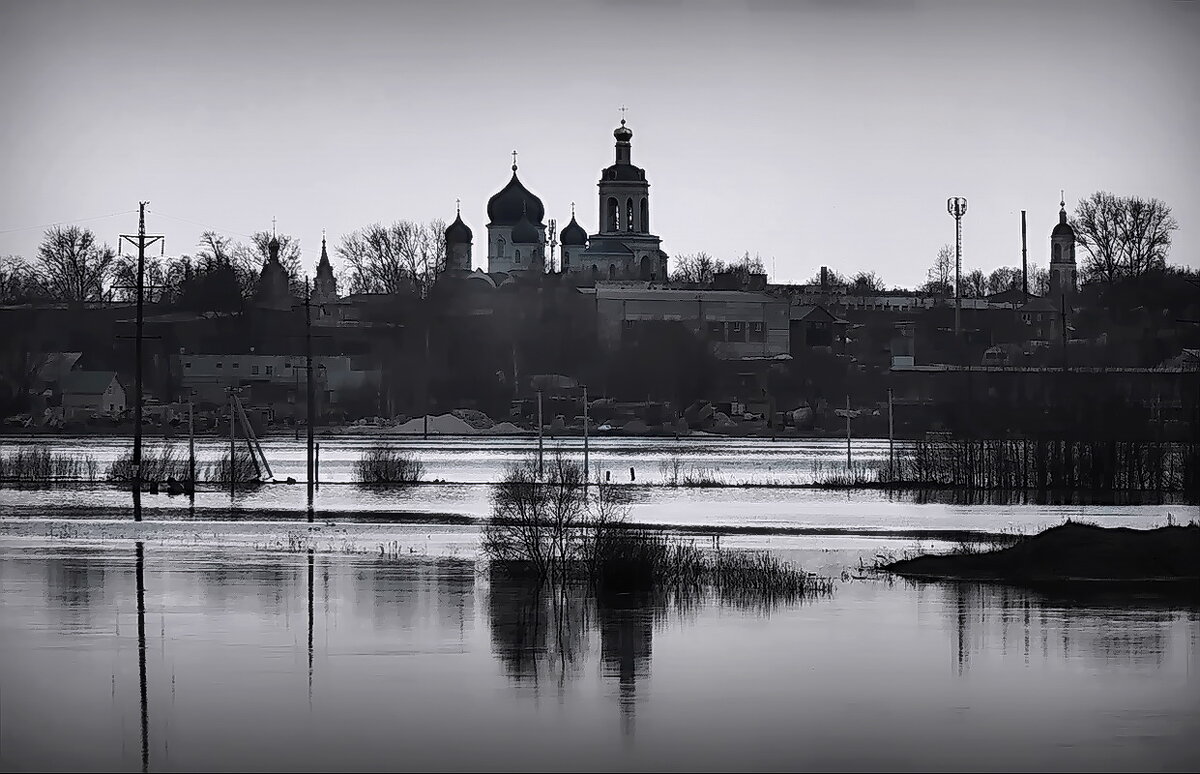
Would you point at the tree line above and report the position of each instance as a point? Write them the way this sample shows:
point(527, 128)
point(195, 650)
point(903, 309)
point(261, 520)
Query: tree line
point(72, 266)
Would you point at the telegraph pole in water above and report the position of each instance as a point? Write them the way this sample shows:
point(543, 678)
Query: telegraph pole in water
point(539, 416)
point(143, 240)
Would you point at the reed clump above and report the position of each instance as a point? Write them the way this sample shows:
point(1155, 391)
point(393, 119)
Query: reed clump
point(554, 527)
point(158, 464)
point(387, 465)
point(243, 470)
point(38, 466)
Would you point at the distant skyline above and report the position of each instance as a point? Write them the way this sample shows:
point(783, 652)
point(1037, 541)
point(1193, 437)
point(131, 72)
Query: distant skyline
point(820, 133)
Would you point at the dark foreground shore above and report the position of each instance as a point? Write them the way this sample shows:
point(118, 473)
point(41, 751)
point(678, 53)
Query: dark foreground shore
point(1075, 553)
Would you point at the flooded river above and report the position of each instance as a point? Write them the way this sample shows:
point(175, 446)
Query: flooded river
point(279, 661)
point(208, 637)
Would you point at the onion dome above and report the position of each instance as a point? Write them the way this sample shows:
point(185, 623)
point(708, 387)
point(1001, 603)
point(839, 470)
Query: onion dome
point(525, 232)
point(1063, 229)
point(273, 249)
point(458, 233)
point(623, 133)
point(507, 206)
point(573, 234)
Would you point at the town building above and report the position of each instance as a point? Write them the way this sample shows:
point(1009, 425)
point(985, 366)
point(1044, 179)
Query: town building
point(87, 393)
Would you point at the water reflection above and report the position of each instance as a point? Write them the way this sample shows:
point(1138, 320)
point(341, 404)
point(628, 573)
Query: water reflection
point(141, 610)
point(1100, 629)
point(540, 677)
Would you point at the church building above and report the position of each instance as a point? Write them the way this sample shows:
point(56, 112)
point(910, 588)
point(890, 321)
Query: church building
point(1062, 259)
point(622, 248)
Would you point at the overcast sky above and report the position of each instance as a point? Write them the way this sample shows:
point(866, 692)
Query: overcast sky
point(811, 133)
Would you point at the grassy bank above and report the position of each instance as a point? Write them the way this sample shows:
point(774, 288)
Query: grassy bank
point(1073, 552)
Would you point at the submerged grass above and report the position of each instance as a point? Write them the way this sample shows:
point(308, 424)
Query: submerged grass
point(243, 469)
point(387, 465)
point(158, 464)
point(38, 466)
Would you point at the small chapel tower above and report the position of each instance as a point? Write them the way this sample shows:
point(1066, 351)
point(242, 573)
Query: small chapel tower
point(458, 244)
point(324, 284)
point(1062, 258)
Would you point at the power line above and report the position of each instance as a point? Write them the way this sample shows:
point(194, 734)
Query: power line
point(65, 222)
point(204, 225)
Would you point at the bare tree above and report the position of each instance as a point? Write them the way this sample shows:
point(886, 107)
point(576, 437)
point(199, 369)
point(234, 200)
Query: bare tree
point(939, 279)
point(70, 266)
point(1097, 225)
point(696, 268)
point(16, 280)
point(405, 256)
point(1145, 233)
point(1004, 278)
point(865, 282)
point(974, 284)
point(124, 279)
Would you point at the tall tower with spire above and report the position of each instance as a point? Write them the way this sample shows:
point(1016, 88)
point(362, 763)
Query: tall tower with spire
point(623, 248)
point(324, 284)
point(1062, 257)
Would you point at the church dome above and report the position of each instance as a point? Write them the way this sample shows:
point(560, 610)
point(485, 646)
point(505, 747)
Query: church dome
point(623, 133)
point(525, 232)
point(574, 234)
point(1063, 229)
point(458, 233)
point(507, 206)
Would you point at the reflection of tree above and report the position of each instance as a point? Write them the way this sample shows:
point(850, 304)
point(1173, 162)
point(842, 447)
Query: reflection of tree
point(536, 628)
point(1099, 628)
point(74, 585)
point(626, 623)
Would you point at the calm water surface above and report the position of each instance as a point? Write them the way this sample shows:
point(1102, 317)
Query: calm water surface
point(280, 661)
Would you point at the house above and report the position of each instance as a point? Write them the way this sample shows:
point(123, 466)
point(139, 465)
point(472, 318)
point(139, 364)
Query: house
point(85, 393)
point(813, 326)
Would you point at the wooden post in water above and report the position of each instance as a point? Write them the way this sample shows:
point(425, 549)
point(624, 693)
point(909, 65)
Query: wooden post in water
point(317, 465)
point(540, 430)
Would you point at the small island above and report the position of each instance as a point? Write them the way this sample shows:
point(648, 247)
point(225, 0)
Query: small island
point(1074, 553)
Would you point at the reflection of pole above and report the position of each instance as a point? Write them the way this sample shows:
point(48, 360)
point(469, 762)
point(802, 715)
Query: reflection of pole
point(539, 415)
point(848, 432)
point(317, 465)
point(141, 610)
point(586, 472)
point(310, 625)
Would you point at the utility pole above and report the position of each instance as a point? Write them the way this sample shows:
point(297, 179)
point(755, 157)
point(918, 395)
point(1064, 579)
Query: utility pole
point(191, 450)
point(891, 440)
point(232, 448)
point(957, 207)
point(142, 240)
point(848, 461)
point(586, 470)
point(1024, 262)
point(311, 397)
point(540, 424)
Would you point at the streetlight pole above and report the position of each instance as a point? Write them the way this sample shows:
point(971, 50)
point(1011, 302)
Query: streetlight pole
point(957, 207)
